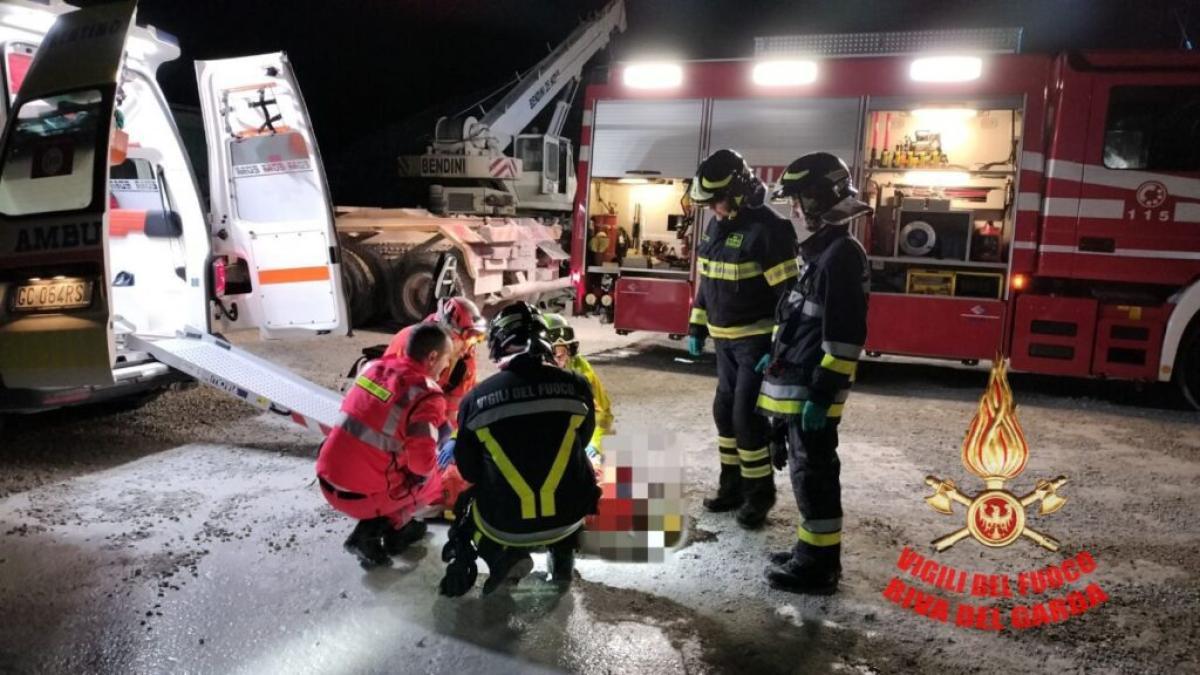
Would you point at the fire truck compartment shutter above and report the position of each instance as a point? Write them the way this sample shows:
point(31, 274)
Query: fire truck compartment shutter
point(661, 137)
point(770, 133)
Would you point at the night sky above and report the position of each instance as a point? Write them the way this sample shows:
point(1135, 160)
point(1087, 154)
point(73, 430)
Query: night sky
point(377, 73)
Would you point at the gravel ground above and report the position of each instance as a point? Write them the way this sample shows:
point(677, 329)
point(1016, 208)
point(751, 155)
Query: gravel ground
point(188, 536)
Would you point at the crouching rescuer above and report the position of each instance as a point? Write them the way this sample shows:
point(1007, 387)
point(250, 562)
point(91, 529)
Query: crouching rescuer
point(521, 444)
point(379, 463)
point(747, 259)
point(822, 329)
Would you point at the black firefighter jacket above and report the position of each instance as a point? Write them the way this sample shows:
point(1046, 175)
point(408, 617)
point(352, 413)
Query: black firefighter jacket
point(746, 263)
point(822, 327)
point(521, 441)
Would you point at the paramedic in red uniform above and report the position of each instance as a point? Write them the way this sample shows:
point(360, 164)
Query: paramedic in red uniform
point(379, 464)
point(467, 328)
point(462, 319)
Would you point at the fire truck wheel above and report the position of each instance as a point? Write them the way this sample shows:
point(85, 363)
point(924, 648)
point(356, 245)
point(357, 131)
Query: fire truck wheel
point(1187, 366)
point(410, 296)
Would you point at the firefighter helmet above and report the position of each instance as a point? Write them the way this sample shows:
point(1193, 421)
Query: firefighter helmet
point(723, 175)
point(561, 333)
point(461, 317)
point(519, 328)
point(817, 181)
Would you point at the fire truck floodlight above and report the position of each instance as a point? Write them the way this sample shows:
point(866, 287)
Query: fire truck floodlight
point(653, 75)
point(784, 73)
point(946, 69)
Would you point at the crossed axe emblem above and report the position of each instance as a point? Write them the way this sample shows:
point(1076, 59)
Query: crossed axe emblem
point(996, 517)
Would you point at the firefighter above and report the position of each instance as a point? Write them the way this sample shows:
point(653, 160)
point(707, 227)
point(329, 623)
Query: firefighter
point(822, 329)
point(379, 463)
point(566, 355)
point(522, 434)
point(746, 262)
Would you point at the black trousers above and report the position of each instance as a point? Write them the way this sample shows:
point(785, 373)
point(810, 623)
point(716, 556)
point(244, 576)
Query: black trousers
point(815, 472)
point(742, 431)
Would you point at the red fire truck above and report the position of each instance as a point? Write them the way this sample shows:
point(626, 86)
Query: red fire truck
point(1044, 207)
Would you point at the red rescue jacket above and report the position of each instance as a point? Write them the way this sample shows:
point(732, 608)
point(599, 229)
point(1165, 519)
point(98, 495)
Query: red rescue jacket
point(455, 382)
point(388, 433)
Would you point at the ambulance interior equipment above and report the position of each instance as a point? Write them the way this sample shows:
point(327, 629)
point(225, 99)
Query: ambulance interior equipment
point(110, 282)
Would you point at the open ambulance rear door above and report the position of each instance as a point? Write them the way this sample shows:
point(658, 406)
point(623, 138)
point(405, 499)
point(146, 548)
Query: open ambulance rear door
point(277, 259)
point(55, 310)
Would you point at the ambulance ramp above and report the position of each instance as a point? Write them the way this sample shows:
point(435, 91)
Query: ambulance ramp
point(256, 381)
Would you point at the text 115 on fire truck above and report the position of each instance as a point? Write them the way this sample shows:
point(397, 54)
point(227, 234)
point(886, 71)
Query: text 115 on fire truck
point(1046, 207)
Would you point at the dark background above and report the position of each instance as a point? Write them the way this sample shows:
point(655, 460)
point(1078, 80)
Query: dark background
point(377, 73)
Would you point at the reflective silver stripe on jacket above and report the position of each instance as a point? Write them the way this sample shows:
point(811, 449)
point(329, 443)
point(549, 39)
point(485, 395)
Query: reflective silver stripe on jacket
point(500, 412)
point(421, 429)
point(842, 350)
point(531, 538)
point(366, 434)
point(813, 309)
point(792, 392)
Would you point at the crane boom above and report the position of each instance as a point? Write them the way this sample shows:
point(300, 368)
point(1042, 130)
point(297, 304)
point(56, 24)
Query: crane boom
point(560, 68)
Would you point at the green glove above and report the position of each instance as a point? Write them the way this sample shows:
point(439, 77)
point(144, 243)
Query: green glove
point(762, 364)
point(813, 417)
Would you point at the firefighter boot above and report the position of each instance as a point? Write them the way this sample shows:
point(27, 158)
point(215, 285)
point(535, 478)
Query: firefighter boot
point(560, 559)
point(396, 541)
point(366, 543)
point(810, 572)
point(510, 565)
point(729, 490)
point(760, 497)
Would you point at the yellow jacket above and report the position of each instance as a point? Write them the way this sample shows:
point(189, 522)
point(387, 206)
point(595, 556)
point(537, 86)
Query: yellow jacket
point(604, 416)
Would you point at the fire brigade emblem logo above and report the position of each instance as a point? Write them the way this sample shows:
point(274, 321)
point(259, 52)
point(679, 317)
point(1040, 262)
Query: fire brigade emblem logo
point(995, 450)
point(1151, 194)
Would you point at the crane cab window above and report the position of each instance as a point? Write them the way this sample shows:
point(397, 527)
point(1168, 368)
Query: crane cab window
point(529, 151)
point(1153, 128)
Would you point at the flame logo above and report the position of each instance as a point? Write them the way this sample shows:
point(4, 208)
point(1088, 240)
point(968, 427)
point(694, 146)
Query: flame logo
point(994, 448)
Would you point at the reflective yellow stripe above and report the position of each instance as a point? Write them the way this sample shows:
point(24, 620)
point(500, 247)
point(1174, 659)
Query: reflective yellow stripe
point(782, 407)
point(782, 272)
point(835, 410)
point(814, 539)
point(795, 175)
point(837, 365)
point(756, 471)
point(373, 388)
point(753, 455)
point(726, 442)
point(482, 530)
point(560, 465)
point(510, 473)
point(764, 327)
point(698, 316)
point(715, 269)
point(715, 184)
point(730, 459)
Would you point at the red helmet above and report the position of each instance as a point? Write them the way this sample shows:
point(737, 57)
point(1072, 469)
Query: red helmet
point(462, 318)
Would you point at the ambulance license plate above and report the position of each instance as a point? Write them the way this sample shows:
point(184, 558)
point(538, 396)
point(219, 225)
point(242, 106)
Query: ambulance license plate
point(53, 295)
